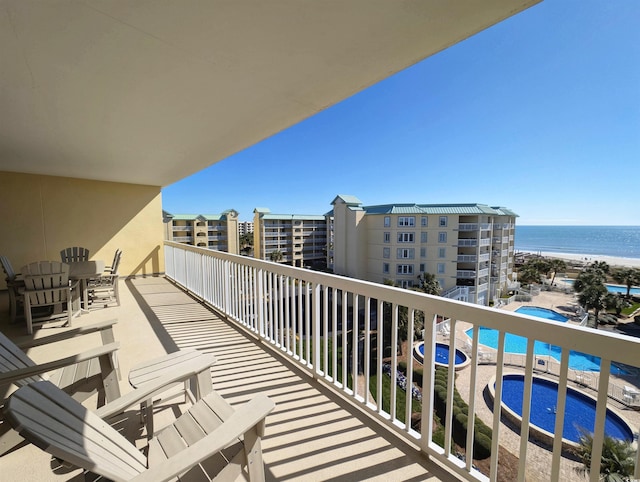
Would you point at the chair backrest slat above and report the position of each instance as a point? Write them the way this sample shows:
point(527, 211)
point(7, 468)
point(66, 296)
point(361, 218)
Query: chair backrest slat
point(8, 269)
point(74, 254)
point(13, 358)
point(53, 421)
point(43, 276)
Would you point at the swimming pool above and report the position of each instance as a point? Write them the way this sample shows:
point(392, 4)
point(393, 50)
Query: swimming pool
point(580, 410)
point(542, 313)
point(441, 355)
point(611, 288)
point(518, 344)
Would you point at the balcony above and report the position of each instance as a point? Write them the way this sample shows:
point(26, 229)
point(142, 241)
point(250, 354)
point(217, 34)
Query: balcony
point(255, 322)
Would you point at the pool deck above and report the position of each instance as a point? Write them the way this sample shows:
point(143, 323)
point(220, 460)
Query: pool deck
point(538, 457)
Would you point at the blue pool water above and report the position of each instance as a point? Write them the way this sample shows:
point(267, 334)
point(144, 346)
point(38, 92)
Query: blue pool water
point(612, 288)
point(442, 354)
point(518, 344)
point(542, 313)
point(580, 410)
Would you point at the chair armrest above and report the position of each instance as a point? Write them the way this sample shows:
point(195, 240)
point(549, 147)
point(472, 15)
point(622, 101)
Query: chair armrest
point(244, 419)
point(21, 373)
point(68, 334)
point(155, 387)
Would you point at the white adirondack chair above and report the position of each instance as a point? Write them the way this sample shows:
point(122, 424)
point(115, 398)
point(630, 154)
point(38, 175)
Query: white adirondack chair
point(81, 374)
point(74, 254)
point(104, 289)
point(46, 284)
point(56, 423)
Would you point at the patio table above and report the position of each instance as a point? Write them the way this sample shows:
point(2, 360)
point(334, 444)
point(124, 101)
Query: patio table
point(84, 271)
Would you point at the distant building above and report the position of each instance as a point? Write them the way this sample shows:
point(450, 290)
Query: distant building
point(468, 247)
point(245, 227)
point(301, 240)
point(213, 231)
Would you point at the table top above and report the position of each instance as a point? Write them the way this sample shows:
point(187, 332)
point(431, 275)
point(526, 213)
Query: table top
point(85, 269)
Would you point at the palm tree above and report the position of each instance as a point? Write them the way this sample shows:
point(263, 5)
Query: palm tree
point(616, 464)
point(276, 256)
point(557, 266)
point(592, 293)
point(428, 283)
point(528, 274)
point(627, 276)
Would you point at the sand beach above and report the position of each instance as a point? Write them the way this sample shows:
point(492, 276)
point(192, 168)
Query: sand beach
point(586, 258)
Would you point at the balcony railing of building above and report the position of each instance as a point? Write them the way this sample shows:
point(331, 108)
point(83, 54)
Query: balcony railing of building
point(317, 321)
point(467, 258)
point(467, 242)
point(183, 239)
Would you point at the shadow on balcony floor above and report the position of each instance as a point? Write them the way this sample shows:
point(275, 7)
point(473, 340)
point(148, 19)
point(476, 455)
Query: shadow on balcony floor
point(312, 435)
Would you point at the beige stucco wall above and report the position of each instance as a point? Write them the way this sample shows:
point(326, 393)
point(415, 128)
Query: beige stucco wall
point(43, 214)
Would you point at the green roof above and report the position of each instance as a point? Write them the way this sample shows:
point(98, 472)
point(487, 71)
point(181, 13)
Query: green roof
point(348, 200)
point(301, 217)
point(426, 209)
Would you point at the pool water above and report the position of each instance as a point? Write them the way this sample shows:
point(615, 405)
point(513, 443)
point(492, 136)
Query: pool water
point(442, 354)
point(611, 288)
point(580, 409)
point(518, 344)
point(542, 313)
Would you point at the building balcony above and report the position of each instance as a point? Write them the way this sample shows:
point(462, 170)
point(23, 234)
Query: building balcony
point(272, 327)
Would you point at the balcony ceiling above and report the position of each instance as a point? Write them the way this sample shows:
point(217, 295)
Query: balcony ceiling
point(149, 92)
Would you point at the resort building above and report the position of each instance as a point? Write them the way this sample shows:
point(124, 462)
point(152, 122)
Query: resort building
point(106, 106)
point(212, 231)
point(245, 227)
point(295, 239)
point(468, 247)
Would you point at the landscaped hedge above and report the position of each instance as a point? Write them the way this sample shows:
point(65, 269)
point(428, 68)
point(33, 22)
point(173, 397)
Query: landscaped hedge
point(482, 433)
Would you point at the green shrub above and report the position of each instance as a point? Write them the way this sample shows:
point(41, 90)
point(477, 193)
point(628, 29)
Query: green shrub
point(460, 419)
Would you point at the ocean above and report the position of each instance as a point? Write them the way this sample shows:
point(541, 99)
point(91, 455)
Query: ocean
point(617, 241)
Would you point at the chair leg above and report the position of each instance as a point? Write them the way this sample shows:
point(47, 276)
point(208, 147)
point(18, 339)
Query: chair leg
point(12, 305)
point(116, 292)
point(27, 315)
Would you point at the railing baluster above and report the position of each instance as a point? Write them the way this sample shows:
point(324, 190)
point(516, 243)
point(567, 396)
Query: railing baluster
point(497, 401)
point(601, 413)
point(526, 410)
point(561, 404)
point(262, 297)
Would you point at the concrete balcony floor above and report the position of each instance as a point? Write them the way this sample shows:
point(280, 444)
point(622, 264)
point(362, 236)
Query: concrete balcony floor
point(312, 434)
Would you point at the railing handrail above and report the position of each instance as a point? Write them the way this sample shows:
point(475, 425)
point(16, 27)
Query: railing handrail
point(263, 297)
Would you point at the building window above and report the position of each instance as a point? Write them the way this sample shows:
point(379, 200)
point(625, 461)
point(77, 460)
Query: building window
point(404, 221)
point(405, 283)
point(442, 237)
point(441, 268)
point(387, 237)
point(406, 253)
point(423, 221)
point(423, 237)
point(406, 237)
point(385, 267)
point(423, 252)
point(443, 221)
point(387, 221)
point(386, 252)
point(422, 267)
point(442, 252)
point(441, 281)
point(405, 269)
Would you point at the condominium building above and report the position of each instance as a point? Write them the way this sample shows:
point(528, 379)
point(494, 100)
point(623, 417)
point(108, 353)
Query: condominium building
point(468, 247)
point(213, 231)
point(299, 240)
point(245, 227)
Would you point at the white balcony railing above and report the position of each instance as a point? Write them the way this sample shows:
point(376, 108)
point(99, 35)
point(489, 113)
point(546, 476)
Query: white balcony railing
point(317, 321)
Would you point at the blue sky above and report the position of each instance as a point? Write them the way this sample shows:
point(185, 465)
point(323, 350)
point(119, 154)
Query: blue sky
point(540, 113)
